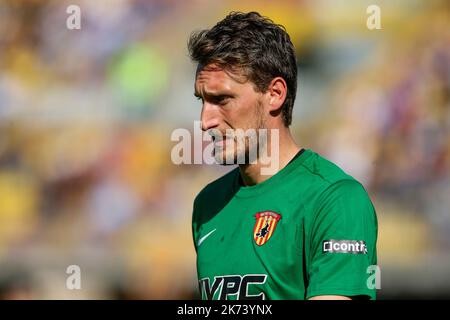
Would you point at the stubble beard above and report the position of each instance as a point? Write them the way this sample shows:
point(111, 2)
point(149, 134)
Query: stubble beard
point(246, 151)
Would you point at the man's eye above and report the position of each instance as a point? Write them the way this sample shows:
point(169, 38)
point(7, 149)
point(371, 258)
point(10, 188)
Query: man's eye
point(222, 101)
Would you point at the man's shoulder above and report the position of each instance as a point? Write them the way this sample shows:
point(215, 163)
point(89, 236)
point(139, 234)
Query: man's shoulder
point(333, 182)
point(324, 171)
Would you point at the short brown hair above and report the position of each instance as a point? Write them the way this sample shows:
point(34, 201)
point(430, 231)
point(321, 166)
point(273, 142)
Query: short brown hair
point(255, 44)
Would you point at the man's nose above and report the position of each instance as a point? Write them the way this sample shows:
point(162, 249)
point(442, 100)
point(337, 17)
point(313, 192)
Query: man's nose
point(209, 117)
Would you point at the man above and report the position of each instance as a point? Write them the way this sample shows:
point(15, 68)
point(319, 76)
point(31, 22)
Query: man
point(307, 230)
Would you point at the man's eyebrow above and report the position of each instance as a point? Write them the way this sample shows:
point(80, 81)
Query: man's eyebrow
point(215, 95)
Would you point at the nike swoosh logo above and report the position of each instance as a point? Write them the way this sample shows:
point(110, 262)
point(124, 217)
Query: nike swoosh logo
point(200, 241)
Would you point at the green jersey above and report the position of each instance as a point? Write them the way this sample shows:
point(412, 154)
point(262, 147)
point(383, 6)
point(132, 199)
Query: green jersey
point(309, 230)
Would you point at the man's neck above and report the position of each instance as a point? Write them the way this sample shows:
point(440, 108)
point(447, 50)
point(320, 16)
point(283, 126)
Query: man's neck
point(251, 174)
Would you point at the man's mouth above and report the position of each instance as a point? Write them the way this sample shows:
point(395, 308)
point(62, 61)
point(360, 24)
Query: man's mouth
point(220, 141)
point(220, 138)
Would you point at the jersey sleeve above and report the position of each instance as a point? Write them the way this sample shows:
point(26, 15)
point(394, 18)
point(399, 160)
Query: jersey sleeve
point(342, 242)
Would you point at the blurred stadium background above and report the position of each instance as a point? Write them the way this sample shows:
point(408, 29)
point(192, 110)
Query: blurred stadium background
point(86, 117)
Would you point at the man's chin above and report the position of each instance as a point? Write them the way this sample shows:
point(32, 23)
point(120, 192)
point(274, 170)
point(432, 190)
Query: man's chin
point(223, 161)
point(229, 160)
point(221, 158)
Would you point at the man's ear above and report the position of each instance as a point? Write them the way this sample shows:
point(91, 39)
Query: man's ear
point(276, 91)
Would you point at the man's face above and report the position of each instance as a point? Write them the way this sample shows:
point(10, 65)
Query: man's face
point(229, 102)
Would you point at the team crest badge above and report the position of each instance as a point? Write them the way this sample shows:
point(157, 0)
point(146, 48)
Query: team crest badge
point(265, 225)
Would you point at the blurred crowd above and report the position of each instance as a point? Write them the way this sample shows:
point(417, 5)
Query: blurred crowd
point(86, 116)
